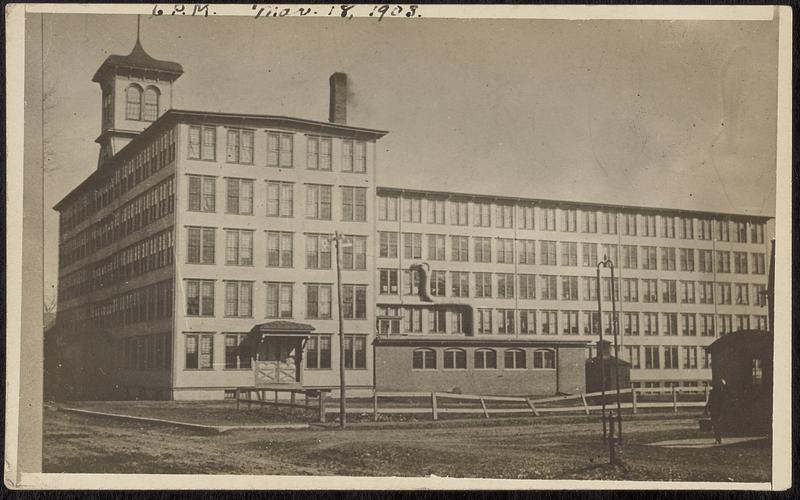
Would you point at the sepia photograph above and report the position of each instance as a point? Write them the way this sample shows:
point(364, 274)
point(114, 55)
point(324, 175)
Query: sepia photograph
point(401, 241)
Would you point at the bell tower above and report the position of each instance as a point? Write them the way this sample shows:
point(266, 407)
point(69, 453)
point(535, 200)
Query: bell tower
point(137, 89)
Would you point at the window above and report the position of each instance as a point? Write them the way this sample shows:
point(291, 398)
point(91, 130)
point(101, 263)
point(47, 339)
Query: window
point(459, 246)
point(706, 359)
point(279, 299)
point(669, 324)
point(569, 253)
point(354, 301)
point(483, 285)
point(202, 193)
point(202, 143)
point(690, 357)
point(608, 287)
point(687, 292)
point(280, 249)
point(650, 324)
point(758, 263)
point(667, 226)
point(240, 146)
point(723, 293)
point(485, 359)
point(667, 259)
point(151, 96)
point(527, 286)
point(742, 322)
point(238, 247)
point(549, 322)
point(412, 245)
point(756, 233)
point(739, 232)
point(318, 352)
point(199, 298)
point(547, 218)
point(354, 252)
point(633, 356)
point(591, 323)
point(388, 281)
point(741, 294)
point(483, 249)
point(318, 301)
point(388, 320)
point(200, 245)
point(547, 253)
point(648, 225)
point(527, 321)
point(652, 358)
point(355, 352)
point(436, 247)
point(412, 210)
point(318, 201)
point(527, 252)
point(759, 295)
point(318, 153)
point(669, 293)
point(740, 262)
point(280, 150)
point(387, 244)
point(707, 325)
point(505, 286)
point(688, 325)
point(758, 372)
point(589, 288)
point(459, 284)
point(387, 208)
point(482, 214)
point(485, 321)
point(649, 258)
point(608, 223)
point(233, 360)
point(569, 220)
point(238, 299)
point(589, 251)
point(686, 257)
point(526, 220)
point(505, 321)
point(722, 230)
point(435, 211)
point(569, 288)
point(706, 261)
point(630, 322)
point(438, 283)
point(569, 322)
point(649, 291)
point(239, 198)
point(515, 359)
point(455, 359)
point(199, 350)
point(628, 224)
point(318, 251)
point(630, 290)
point(703, 229)
point(280, 199)
point(589, 221)
point(424, 359)
point(686, 228)
point(671, 360)
point(133, 103)
point(505, 250)
point(544, 359)
point(725, 322)
point(549, 287)
point(354, 156)
point(459, 211)
point(504, 216)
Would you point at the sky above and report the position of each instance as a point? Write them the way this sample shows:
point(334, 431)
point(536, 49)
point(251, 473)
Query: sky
point(649, 113)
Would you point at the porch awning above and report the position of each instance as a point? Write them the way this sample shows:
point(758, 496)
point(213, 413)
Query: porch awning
point(273, 329)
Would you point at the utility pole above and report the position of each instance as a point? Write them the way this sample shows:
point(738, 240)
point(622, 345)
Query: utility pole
point(338, 237)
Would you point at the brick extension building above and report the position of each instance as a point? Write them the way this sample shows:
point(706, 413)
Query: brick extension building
point(198, 227)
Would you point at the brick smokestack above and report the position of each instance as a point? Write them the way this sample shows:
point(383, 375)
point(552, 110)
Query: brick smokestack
point(338, 104)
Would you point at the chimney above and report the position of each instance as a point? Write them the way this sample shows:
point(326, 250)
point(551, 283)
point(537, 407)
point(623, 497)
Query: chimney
point(338, 104)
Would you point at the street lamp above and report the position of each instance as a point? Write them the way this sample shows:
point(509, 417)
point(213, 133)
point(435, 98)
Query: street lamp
point(340, 241)
point(607, 263)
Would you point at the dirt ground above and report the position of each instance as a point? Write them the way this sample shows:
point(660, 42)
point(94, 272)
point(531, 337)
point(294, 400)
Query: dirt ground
point(546, 448)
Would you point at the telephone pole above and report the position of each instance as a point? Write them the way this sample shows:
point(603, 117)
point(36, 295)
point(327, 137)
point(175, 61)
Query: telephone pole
point(338, 237)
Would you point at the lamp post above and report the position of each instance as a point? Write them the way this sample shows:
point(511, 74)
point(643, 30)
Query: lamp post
point(614, 324)
point(338, 238)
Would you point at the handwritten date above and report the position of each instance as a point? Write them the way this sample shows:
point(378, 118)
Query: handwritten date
point(345, 11)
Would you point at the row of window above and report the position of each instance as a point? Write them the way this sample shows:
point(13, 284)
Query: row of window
point(147, 303)
point(199, 352)
point(148, 352)
point(144, 162)
point(143, 210)
point(280, 149)
point(553, 287)
point(565, 253)
point(486, 214)
point(488, 321)
point(280, 197)
point(150, 254)
point(200, 298)
point(668, 357)
point(482, 359)
point(141, 104)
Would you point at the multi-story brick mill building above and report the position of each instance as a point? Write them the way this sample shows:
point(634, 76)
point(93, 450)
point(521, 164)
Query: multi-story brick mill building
point(199, 228)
